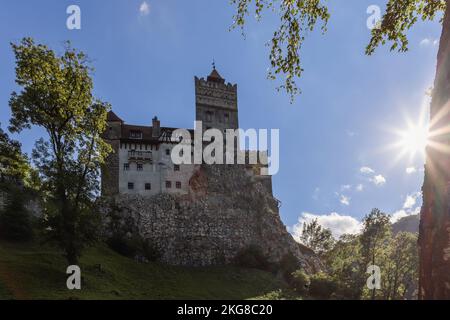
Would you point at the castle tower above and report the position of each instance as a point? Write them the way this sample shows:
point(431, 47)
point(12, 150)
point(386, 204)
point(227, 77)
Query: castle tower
point(110, 170)
point(216, 102)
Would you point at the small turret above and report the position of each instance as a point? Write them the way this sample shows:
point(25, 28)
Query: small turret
point(156, 127)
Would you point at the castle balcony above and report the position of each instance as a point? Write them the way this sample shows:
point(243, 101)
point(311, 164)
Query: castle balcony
point(140, 156)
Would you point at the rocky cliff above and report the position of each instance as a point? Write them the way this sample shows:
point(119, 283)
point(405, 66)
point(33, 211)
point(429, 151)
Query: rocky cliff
point(226, 210)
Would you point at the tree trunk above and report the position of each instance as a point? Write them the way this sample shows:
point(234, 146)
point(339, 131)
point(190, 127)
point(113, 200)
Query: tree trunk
point(434, 234)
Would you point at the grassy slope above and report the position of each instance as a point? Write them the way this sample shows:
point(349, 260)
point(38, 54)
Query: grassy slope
point(31, 272)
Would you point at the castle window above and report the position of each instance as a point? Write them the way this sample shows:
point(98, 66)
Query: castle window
point(168, 184)
point(178, 185)
point(126, 166)
point(148, 186)
point(134, 134)
point(176, 167)
point(167, 152)
point(209, 115)
point(130, 185)
point(226, 117)
point(140, 167)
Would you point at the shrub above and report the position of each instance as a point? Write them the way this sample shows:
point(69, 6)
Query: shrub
point(252, 257)
point(273, 295)
point(122, 245)
point(287, 265)
point(15, 219)
point(133, 246)
point(322, 286)
point(149, 251)
point(300, 281)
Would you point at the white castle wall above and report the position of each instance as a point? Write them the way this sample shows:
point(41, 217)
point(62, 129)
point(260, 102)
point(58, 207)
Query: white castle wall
point(160, 170)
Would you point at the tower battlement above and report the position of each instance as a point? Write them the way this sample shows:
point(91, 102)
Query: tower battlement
point(216, 102)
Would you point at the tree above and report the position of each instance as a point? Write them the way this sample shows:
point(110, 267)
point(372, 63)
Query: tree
point(401, 267)
point(374, 239)
point(297, 17)
point(315, 237)
point(13, 164)
point(343, 263)
point(15, 223)
point(15, 219)
point(57, 96)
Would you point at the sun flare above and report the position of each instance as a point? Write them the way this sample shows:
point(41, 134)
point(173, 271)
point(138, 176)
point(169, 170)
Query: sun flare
point(413, 139)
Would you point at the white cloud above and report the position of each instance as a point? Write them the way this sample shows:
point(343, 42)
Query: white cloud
point(346, 187)
point(366, 170)
point(375, 178)
point(429, 41)
point(409, 202)
point(397, 215)
point(338, 224)
point(425, 42)
point(359, 187)
point(378, 180)
point(411, 170)
point(404, 213)
point(144, 8)
point(344, 200)
point(411, 206)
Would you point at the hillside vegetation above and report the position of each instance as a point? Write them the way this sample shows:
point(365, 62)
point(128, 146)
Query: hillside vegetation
point(28, 271)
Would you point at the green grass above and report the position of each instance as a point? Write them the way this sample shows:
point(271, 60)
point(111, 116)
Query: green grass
point(33, 272)
point(5, 293)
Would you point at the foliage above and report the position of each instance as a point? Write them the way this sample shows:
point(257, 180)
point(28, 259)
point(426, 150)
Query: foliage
point(273, 295)
point(344, 264)
point(300, 281)
point(399, 17)
point(401, 267)
point(315, 237)
point(299, 17)
point(322, 286)
point(133, 246)
point(15, 218)
point(13, 164)
point(396, 256)
point(374, 239)
point(57, 96)
point(287, 265)
point(252, 257)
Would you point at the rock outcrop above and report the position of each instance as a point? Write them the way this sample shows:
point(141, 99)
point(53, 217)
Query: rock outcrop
point(226, 211)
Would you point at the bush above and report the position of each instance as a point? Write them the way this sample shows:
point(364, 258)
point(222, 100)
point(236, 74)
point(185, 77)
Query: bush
point(123, 246)
point(149, 251)
point(300, 281)
point(252, 257)
point(287, 265)
point(15, 219)
point(322, 286)
point(132, 247)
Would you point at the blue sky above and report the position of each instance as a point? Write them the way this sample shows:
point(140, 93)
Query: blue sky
point(145, 61)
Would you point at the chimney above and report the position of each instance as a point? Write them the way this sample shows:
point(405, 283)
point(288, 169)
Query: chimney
point(156, 127)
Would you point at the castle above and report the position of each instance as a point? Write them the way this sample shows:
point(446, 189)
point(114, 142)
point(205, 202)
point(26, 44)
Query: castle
point(193, 214)
point(141, 162)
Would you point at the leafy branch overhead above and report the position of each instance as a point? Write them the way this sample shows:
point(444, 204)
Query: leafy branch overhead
point(298, 17)
point(399, 17)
